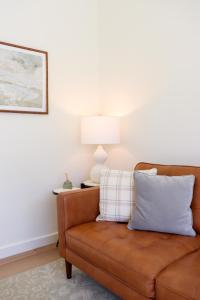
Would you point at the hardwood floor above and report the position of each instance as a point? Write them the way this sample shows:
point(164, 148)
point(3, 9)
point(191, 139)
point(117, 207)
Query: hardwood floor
point(26, 261)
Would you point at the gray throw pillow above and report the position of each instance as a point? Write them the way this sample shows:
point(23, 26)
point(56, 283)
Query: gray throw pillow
point(163, 204)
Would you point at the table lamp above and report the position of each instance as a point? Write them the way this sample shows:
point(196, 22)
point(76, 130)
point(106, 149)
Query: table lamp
point(99, 130)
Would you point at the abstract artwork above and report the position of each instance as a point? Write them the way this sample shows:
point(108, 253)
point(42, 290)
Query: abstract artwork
point(23, 79)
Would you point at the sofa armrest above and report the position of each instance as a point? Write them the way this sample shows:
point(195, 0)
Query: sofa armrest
point(75, 208)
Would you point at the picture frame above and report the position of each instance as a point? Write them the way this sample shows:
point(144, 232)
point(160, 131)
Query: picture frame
point(23, 79)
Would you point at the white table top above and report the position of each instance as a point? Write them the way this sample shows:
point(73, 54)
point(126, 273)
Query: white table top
point(90, 183)
point(61, 190)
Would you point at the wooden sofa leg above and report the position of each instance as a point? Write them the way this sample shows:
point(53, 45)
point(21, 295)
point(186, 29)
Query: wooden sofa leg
point(68, 269)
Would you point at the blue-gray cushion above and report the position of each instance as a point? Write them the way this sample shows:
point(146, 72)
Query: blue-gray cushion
point(163, 204)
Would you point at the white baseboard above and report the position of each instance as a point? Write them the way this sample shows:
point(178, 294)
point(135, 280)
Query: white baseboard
point(23, 246)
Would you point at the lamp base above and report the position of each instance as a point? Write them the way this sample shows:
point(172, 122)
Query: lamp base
point(100, 156)
point(96, 172)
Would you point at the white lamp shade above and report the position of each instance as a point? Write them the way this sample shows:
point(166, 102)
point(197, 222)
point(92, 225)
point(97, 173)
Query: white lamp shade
point(100, 130)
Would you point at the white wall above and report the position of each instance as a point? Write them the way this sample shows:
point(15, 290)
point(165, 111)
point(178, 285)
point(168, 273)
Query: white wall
point(150, 75)
point(35, 150)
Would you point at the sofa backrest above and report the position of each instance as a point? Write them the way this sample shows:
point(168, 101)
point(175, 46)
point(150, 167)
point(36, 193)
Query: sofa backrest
point(173, 170)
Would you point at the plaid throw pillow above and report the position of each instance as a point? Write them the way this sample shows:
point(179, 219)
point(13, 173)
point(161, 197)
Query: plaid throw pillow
point(117, 195)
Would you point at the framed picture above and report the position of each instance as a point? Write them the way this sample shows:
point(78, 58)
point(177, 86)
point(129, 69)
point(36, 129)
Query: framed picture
point(23, 79)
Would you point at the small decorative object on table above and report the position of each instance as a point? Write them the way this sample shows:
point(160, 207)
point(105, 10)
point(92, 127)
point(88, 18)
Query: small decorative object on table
point(67, 184)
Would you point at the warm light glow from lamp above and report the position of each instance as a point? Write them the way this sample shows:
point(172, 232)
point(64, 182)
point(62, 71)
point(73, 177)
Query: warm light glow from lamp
point(99, 130)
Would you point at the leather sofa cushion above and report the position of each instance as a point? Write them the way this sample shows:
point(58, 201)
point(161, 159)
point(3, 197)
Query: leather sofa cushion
point(134, 257)
point(181, 280)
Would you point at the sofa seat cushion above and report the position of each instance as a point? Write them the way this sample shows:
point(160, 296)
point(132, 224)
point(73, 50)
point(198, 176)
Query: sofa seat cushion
point(134, 257)
point(181, 280)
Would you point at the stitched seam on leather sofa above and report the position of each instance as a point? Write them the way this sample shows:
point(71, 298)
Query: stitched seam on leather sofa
point(169, 288)
point(157, 281)
point(175, 292)
point(180, 258)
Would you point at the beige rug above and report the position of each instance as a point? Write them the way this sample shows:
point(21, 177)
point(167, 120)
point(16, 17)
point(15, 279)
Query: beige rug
point(49, 282)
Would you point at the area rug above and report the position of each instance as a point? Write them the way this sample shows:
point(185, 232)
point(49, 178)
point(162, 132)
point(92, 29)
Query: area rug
point(49, 282)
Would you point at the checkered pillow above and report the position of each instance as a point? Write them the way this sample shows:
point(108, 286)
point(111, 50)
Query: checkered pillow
point(117, 196)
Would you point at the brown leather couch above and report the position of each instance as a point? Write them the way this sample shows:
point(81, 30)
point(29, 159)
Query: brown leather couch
point(135, 265)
